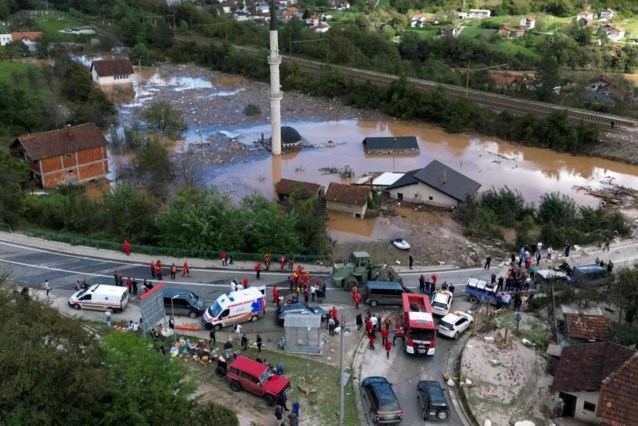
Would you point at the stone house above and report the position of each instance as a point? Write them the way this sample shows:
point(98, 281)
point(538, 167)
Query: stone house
point(73, 154)
point(348, 199)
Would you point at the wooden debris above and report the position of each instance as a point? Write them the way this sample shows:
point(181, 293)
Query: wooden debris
point(305, 391)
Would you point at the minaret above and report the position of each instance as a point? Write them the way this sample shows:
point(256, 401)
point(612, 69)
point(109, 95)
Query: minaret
point(275, 94)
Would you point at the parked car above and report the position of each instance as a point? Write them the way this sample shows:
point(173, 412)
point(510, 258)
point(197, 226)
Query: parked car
point(401, 244)
point(442, 302)
point(432, 399)
point(454, 324)
point(297, 308)
point(379, 398)
point(255, 377)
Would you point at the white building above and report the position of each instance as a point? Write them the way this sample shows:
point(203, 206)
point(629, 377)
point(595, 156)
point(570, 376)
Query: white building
point(110, 72)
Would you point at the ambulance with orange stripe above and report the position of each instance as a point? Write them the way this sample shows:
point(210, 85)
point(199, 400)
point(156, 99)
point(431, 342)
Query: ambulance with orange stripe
point(101, 297)
point(235, 307)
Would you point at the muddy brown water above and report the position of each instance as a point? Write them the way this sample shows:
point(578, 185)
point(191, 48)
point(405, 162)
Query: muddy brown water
point(489, 161)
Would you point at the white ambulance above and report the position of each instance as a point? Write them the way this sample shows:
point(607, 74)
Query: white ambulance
point(101, 297)
point(235, 307)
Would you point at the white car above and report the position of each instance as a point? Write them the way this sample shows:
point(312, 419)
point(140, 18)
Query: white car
point(442, 302)
point(401, 244)
point(454, 324)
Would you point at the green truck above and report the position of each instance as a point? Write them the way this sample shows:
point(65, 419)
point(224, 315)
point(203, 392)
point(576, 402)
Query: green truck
point(357, 270)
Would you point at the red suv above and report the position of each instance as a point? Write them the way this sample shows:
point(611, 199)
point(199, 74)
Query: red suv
point(257, 378)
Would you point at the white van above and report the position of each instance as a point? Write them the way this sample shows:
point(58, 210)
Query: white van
point(235, 307)
point(100, 297)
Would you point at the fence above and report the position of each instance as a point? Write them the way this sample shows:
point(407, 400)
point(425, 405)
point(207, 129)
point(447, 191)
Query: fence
point(78, 240)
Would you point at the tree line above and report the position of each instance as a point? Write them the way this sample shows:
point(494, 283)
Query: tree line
point(56, 372)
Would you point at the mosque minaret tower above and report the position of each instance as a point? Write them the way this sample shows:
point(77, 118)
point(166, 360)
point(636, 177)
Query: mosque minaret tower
point(275, 93)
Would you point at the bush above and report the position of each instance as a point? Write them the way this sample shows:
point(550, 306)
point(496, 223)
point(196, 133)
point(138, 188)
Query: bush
point(252, 109)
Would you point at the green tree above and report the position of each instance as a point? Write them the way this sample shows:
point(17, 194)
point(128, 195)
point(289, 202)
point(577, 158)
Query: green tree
point(46, 360)
point(14, 175)
point(153, 166)
point(163, 118)
point(128, 214)
point(623, 293)
point(558, 209)
point(547, 76)
point(267, 229)
point(507, 205)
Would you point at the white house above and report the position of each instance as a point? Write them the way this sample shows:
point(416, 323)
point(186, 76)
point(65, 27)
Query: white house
point(436, 184)
point(580, 392)
point(5, 39)
point(479, 13)
point(585, 18)
point(111, 72)
point(606, 15)
point(450, 30)
point(528, 22)
point(613, 32)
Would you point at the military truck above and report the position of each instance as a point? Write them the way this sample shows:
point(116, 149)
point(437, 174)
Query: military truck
point(358, 270)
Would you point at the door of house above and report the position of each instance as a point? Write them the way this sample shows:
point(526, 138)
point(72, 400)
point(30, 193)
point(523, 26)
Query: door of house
point(570, 404)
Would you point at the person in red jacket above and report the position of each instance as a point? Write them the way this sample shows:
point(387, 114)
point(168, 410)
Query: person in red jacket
point(275, 295)
point(333, 313)
point(258, 269)
point(186, 272)
point(245, 282)
point(384, 336)
point(357, 299)
point(152, 269)
point(127, 248)
point(158, 270)
point(371, 341)
point(388, 347)
point(224, 261)
point(282, 261)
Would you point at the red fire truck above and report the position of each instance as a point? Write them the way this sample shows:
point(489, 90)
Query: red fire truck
point(419, 330)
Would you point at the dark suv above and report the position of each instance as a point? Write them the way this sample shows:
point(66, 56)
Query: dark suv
point(384, 407)
point(433, 403)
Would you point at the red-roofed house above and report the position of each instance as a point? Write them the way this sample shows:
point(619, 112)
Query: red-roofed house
point(580, 373)
point(27, 38)
point(587, 328)
point(72, 154)
point(112, 71)
point(618, 399)
point(348, 199)
point(285, 187)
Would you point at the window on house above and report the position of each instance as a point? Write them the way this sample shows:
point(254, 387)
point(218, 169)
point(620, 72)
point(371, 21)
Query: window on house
point(70, 171)
point(431, 198)
point(68, 156)
point(589, 406)
point(399, 196)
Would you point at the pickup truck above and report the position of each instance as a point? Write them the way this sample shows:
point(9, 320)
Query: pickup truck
point(479, 290)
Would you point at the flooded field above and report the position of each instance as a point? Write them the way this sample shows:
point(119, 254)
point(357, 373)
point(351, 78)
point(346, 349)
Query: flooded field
point(212, 102)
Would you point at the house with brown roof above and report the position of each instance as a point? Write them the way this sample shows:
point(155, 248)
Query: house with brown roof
point(581, 328)
point(348, 199)
point(528, 22)
point(286, 187)
point(73, 154)
point(29, 39)
point(108, 72)
point(580, 373)
point(618, 398)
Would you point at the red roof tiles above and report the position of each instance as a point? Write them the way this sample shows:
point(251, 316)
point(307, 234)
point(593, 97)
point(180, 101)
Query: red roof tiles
point(588, 327)
point(583, 367)
point(62, 141)
point(618, 399)
point(348, 194)
point(288, 186)
point(111, 67)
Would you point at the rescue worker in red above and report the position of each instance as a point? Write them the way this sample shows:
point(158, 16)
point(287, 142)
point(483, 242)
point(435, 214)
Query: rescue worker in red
point(282, 261)
point(258, 269)
point(158, 270)
point(245, 282)
point(357, 299)
point(267, 260)
point(224, 261)
point(127, 248)
point(354, 291)
point(152, 269)
point(388, 347)
point(186, 272)
point(333, 313)
point(275, 295)
point(384, 336)
point(371, 341)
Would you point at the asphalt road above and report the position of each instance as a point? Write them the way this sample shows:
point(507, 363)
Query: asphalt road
point(31, 267)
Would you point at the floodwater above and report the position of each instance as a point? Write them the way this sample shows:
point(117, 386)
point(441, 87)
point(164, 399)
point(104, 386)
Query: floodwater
point(489, 161)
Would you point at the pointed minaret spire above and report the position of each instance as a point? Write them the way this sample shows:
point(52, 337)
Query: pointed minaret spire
point(275, 94)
